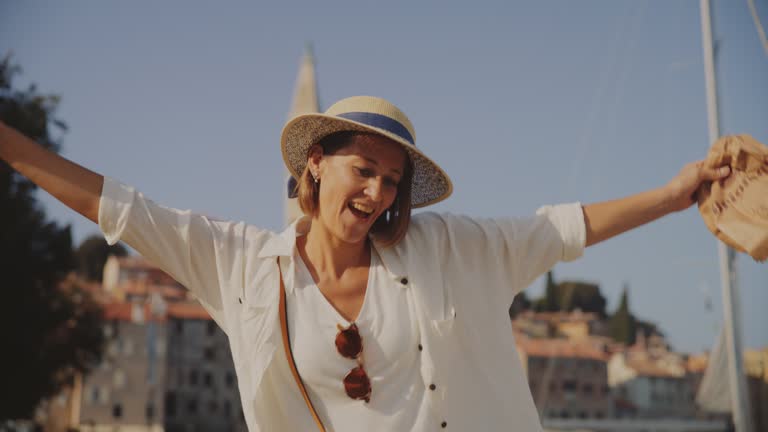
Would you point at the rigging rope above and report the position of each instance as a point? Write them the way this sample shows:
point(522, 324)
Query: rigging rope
point(760, 30)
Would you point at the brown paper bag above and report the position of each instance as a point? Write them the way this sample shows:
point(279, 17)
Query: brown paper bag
point(736, 209)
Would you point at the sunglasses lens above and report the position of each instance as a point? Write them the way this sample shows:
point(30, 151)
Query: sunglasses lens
point(349, 343)
point(357, 384)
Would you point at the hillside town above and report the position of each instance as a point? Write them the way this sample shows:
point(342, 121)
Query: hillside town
point(167, 366)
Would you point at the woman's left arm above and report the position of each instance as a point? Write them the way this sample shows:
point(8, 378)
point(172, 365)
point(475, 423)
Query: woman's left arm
point(609, 218)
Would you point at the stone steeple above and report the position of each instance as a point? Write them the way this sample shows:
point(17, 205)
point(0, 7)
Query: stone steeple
point(304, 101)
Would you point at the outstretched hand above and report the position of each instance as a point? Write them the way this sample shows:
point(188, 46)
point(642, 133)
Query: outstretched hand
point(682, 188)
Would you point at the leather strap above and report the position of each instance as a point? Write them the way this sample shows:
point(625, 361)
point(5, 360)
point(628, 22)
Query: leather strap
point(289, 353)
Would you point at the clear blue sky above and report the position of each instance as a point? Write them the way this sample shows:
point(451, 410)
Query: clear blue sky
point(523, 103)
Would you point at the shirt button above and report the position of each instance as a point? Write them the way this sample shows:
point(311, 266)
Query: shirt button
point(404, 281)
point(240, 300)
point(443, 424)
point(420, 347)
point(432, 387)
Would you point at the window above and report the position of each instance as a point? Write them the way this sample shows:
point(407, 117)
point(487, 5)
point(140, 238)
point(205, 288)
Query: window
point(118, 379)
point(117, 411)
point(229, 379)
point(211, 328)
point(587, 389)
point(192, 406)
point(207, 379)
point(94, 394)
point(209, 354)
point(193, 377)
point(112, 349)
point(227, 408)
point(149, 411)
point(99, 395)
point(213, 406)
point(564, 414)
point(160, 347)
point(126, 347)
point(170, 404)
point(569, 385)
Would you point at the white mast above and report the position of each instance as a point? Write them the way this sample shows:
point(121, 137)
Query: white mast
point(737, 383)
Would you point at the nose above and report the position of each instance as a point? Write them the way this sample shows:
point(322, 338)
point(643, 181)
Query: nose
point(374, 190)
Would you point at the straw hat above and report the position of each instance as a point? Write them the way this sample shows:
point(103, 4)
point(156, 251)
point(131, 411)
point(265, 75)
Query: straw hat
point(365, 114)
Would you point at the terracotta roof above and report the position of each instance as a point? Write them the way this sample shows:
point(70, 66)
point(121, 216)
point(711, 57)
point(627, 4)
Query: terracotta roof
point(188, 310)
point(123, 311)
point(137, 287)
point(696, 363)
point(648, 368)
point(560, 348)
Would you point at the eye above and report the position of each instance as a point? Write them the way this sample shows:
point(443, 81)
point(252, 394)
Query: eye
point(389, 181)
point(364, 172)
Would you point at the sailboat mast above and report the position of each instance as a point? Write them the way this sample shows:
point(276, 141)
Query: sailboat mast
point(737, 382)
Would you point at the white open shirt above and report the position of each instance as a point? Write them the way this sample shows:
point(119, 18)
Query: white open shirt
point(463, 272)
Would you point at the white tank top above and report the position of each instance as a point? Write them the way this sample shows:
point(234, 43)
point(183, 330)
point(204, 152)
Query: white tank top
point(390, 355)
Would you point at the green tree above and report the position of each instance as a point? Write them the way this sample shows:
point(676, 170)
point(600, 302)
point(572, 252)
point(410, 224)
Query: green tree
point(519, 304)
point(584, 296)
point(569, 296)
point(550, 302)
point(48, 329)
point(92, 254)
point(622, 325)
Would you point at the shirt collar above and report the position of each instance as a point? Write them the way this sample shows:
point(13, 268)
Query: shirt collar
point(283, 244)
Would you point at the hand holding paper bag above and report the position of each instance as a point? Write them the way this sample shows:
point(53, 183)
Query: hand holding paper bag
point(735, 209)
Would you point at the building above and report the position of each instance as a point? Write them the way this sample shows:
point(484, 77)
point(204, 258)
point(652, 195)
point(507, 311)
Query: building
point(126, 390)
point(572, 325)
point(164, 370)
point(648, 387)
point(568, 379)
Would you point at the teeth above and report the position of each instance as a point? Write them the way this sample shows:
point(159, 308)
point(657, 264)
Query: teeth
point(363, 208)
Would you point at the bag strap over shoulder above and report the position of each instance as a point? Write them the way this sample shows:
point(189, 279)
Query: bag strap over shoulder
point(289, 353)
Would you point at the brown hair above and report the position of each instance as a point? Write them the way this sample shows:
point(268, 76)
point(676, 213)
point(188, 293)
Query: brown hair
point(392, 225)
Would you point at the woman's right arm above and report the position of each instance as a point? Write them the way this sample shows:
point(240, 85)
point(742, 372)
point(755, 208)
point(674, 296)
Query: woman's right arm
point(202, 254)
point(77, 187)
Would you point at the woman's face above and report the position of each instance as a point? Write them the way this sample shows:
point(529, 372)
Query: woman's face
point(357, 184)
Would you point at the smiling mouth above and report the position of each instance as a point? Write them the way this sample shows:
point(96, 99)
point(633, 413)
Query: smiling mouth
point(360, 210)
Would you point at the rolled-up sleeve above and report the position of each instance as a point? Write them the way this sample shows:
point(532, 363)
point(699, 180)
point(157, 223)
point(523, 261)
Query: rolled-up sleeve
point(202, 254)
point(556, 233)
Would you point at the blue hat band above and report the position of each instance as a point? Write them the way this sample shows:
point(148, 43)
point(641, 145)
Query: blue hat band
point(381, 122)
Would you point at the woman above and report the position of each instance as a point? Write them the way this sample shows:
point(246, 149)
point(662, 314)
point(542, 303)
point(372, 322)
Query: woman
point(394, 322)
